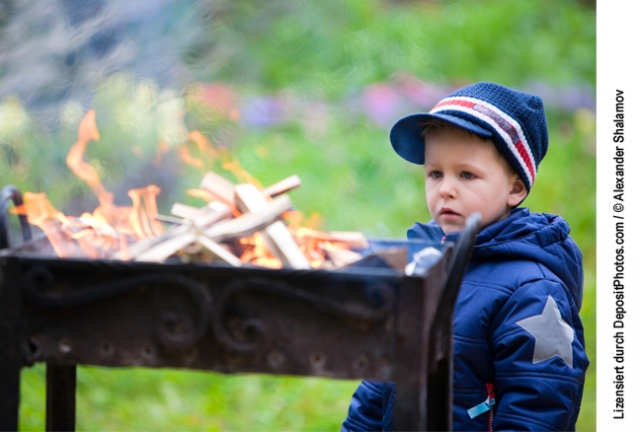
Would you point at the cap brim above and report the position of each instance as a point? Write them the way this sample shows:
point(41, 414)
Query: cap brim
point(405, 133)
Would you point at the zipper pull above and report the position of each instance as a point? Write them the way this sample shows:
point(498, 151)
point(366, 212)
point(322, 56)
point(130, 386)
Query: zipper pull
point(484, 406)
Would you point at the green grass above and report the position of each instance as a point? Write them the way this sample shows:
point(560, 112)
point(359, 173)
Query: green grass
point(145, 399)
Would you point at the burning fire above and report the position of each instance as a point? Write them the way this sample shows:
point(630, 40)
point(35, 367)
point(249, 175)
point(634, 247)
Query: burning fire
point(238, 224)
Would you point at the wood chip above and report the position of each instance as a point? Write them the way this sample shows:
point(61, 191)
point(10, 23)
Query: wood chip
point(185, 211)
point(169, 219)
point(394, 258)
point(282, 186)
point(218, 250)
point(219, 186)
point(340, 257)
point(211, 216)
point(354, 239)
point(143, 245)
point(249, 199)
point(248, 223)
point(164, 250)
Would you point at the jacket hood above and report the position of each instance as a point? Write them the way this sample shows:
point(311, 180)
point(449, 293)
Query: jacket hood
point(538, 237)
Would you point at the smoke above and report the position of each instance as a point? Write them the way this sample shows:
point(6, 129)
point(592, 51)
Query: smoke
point(52, 51)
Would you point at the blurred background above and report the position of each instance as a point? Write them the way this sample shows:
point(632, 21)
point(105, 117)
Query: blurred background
point(285, 87)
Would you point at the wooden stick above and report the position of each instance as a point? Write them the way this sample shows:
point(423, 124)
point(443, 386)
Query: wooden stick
point(354, 239)
point(276, 235)
point(340, 257)
point(249, 223)
point(394, 258)
point(164, 250)
point(146, 244)
point(218, 251)
point(211, 216)
point(219, 186)
point(185, 211)
point(205, 216)
point(169, 219)
point(282, 186)
point(161, 247)
point(216, 206)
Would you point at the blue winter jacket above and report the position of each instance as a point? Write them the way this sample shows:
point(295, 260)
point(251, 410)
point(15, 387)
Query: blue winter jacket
point(516, 332)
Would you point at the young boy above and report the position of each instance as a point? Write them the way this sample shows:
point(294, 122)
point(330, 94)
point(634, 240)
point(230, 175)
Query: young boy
point(519, 353)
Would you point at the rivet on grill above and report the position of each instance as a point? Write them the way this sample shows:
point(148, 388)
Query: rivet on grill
point(191, 354)
point(147, 352)
point(317, 359)
point(30, 350)
point(106, 349)
point(361, 363)
point(384, 368)
point(64, 346)
point(275, 358)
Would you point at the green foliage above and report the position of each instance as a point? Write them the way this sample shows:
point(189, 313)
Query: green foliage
point(330, 47)
point(320, 51)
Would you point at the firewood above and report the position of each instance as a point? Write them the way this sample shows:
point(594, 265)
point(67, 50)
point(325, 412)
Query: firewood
point(219, 186)
point(164, 250)
point(392, 258)
point(193, 213)
point(340, 257)
point(143, 245)
point(161, 247)
point(218, 250)
point(202, 221)
point(185, 211)
point(216, 206)
point(277, 237)
point(353, 239)
point(183, 240)
point(169, 219)
point(211, 216)
point(282, 186)
point(249, 223)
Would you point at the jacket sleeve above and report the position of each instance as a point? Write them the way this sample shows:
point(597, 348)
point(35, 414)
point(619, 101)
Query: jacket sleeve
point(369, 404)
point(539, 359)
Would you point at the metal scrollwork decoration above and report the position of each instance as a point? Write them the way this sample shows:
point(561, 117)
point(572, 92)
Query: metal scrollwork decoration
point(252, 333)
point(39, 279)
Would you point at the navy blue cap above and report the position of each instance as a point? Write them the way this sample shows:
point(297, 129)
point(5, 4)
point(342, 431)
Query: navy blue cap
point(514, 120)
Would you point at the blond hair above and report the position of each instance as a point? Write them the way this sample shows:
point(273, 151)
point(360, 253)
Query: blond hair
point(435, 126)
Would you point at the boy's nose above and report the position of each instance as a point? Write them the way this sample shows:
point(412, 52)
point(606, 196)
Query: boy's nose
point(447, 188)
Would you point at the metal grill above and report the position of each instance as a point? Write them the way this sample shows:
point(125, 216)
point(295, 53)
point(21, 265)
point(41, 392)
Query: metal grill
point(368, 323)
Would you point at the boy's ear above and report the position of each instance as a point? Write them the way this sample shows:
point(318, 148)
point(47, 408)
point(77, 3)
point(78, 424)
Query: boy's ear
point(518, 192)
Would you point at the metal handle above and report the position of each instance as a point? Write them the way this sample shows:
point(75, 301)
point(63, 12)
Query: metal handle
point(444, 315)
point(464, 245)
point(11, 193)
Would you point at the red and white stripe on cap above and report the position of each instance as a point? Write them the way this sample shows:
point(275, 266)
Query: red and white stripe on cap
point(508, 128)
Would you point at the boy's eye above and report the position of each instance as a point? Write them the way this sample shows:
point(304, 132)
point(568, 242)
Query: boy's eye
point(435, 174)
point(467, 175)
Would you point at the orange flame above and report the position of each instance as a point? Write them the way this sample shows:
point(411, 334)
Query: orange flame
point(209, 155)
point(88, 131)
point(110, 227)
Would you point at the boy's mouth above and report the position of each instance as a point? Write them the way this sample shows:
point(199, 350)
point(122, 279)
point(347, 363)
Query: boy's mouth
point(448, 212)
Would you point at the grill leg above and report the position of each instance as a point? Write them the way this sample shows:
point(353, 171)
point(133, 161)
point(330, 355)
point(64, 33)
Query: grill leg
point(440, 397)
point(61, 398)
point(9, 391)
point(410, 376)
point(10, 339)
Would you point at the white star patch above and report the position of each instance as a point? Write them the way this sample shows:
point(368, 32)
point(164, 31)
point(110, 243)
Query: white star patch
point(552, 334)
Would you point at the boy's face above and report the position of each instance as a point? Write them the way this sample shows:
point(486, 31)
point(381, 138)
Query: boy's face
point(464, 175)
